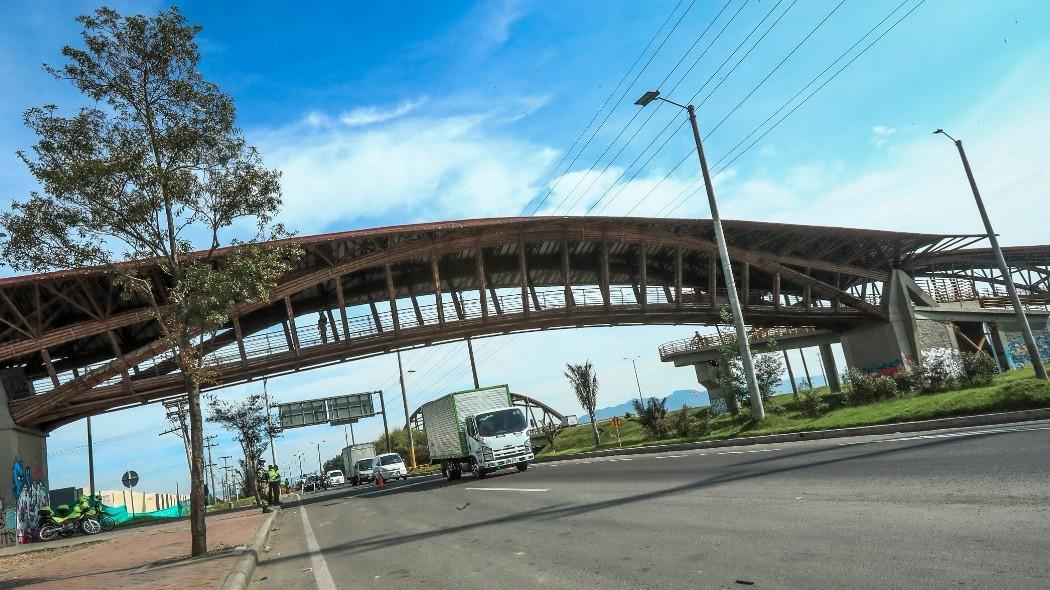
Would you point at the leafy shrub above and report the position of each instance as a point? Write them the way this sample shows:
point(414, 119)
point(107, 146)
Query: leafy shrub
point(703, 422)
point(907, 379)
point(683, 422)
point(979, 368)
point(1021, 395)
point(865, 388)
point(810, 404)
point(777, 409)
point(942, 369)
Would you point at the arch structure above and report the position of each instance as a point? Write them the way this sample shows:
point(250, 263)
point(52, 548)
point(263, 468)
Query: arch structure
point(81, 347)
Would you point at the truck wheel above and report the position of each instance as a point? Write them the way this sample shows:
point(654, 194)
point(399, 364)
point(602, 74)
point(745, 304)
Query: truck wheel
point(523, 466)
point(479, 471)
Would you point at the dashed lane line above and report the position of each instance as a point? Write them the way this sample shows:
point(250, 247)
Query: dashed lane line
point(322, 577)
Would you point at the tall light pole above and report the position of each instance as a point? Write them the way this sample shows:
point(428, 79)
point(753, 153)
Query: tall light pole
point(636, 381)
point(758, 412)
point(269, 423)
point(404, 400)
point(1026, 330)
point(300, 455)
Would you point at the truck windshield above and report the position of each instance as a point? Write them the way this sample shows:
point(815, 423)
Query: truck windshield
point(364, 464)
point(500, 422)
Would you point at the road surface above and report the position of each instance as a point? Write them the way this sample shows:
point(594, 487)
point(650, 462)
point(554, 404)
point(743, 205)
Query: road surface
point(963, 508)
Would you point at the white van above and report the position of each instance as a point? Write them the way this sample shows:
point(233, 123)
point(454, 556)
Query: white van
point(391, 465)
point(336, 478)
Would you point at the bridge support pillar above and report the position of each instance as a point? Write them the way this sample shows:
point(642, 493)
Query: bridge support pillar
point(830, 369)
point(707, 375)
point(23, 462)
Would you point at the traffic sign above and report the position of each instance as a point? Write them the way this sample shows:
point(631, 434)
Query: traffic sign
point(617, 421)
point(130, 479)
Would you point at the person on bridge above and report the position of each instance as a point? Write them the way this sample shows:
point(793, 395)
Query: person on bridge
point(274, 477)
point(322, 327)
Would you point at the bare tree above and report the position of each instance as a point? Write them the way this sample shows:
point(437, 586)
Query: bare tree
point(584, 382)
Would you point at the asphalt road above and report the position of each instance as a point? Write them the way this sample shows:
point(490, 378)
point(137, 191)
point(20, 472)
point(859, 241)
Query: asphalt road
point(965, 508)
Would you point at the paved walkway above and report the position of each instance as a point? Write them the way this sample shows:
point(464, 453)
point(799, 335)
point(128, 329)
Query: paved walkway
point(145, 557)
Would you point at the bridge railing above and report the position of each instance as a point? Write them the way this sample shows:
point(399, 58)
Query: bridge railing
point(726, 334)
point(308, 333)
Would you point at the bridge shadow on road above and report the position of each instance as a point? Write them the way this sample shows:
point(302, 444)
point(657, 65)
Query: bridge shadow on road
point(564, 510)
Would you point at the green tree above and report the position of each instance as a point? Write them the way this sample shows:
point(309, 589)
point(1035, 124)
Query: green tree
point(730, 377)
point(584, 383)
point(249, 422)
point(652, 416)
point(154, 169)
point(399, 444)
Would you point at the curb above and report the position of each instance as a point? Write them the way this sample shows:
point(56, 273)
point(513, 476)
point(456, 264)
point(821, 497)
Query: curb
point(894, 428)
point(241, 574)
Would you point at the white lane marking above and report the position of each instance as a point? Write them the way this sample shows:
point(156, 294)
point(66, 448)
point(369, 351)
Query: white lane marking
point(390, 489)
point(322, 577)
point(510, 489)
point(946, 435)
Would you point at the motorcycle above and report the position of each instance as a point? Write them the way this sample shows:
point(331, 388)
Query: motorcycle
point(96, 510)
point(65, 522)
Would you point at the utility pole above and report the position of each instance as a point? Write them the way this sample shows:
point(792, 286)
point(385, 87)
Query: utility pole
point(1022, 320)
point(90, 448)
point(226, 475)
point(473, 367)
point(404, 400)
point(91, 459)
point(269, 423)
point(758, 412)
point(636, 381)
point(300, 455)
point(320, 469)
point(211, 466)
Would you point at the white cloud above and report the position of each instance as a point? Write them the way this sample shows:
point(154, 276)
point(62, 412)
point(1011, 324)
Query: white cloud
point(498, 19)
point(880, 134)
point(415, 167)
point(361, 116)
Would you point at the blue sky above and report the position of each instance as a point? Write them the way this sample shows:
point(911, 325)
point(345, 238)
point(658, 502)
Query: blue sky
point(386, 112)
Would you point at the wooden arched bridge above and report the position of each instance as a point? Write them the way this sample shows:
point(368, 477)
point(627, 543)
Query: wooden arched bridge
point(86, 348)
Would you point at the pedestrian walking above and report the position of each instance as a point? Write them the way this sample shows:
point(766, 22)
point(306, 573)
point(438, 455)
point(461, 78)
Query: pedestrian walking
point(262, 480)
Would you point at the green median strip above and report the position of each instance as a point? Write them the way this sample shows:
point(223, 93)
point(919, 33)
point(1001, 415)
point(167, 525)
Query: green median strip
point(1015, 390)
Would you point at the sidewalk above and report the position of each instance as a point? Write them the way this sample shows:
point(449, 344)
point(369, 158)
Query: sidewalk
point(149, 557)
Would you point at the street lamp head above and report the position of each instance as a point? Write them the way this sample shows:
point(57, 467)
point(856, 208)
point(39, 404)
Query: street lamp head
point(647, 98)
point(944, 133)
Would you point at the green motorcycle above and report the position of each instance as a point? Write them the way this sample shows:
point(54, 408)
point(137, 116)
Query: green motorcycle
point(65, 522)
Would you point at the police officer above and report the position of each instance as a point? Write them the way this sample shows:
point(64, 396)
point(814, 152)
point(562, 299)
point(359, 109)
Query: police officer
point(274, 480)
point(262, 481)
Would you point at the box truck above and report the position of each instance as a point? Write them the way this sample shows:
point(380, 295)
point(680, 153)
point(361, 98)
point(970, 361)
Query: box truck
point(352, 455)
point(477, 430)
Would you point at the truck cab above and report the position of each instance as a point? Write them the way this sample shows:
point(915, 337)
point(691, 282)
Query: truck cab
point(496, 439)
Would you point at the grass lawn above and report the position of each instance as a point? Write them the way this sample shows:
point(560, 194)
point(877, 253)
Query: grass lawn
point(1022, 392)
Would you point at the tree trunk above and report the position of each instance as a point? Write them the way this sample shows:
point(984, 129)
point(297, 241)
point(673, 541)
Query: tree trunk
point(198, 528)
point(594, 427)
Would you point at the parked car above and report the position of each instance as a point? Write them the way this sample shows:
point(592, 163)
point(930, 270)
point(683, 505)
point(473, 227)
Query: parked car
point(361, 472)
point(390, 465)
point(336, 478)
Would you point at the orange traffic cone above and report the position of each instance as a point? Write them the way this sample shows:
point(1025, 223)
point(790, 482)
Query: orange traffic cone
point(379, 480)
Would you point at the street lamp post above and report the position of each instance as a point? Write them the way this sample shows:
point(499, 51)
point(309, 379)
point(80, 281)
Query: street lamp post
point(758, 412)
point(404, 400)
point(1026, 330)
point(636, 381)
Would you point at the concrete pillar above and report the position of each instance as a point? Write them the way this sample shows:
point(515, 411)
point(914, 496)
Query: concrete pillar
point(23, 462)
point(706, 375)
point(830, 370)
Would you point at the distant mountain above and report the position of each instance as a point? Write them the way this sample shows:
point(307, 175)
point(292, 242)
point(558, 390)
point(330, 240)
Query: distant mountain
point(690, 397)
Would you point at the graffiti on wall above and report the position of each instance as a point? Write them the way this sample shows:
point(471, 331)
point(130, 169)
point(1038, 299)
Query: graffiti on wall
point(7, 521)
point(30, 490)
point(1017, 352)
